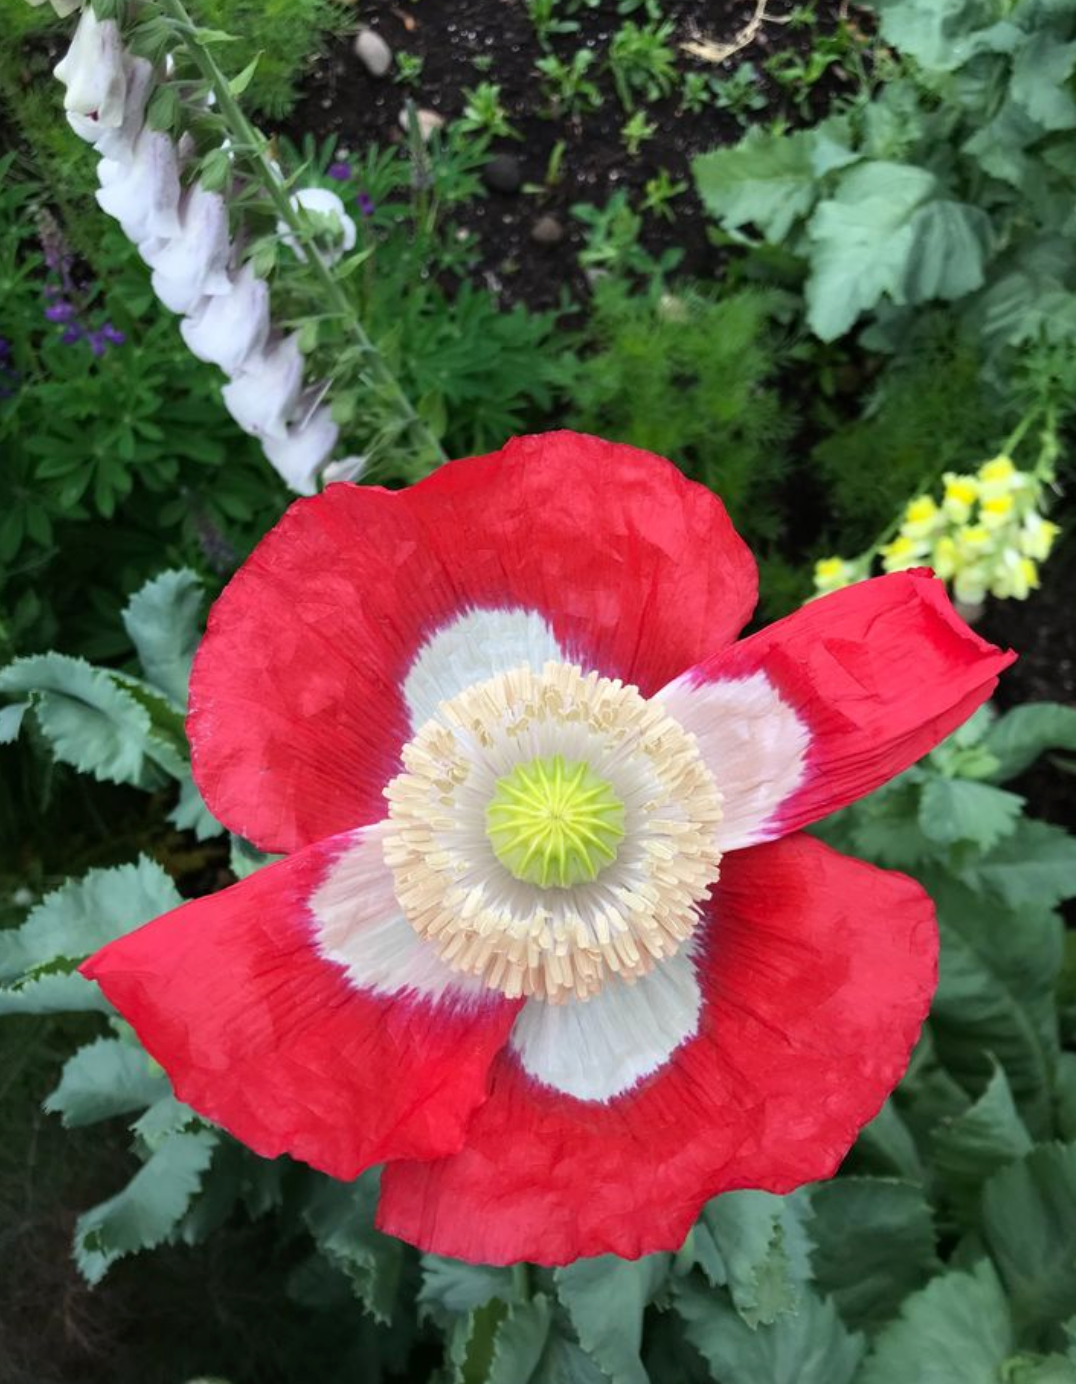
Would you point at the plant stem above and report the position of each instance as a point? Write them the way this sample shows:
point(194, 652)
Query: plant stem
point(521, 1282)
point(251, 140)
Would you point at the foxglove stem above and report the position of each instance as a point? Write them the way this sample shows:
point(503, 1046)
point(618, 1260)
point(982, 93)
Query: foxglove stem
point(246, 137)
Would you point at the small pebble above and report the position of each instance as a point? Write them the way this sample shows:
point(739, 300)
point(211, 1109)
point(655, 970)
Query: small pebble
point(373, 52)
point(547, 230)
point(428, 121)
point(503, 174)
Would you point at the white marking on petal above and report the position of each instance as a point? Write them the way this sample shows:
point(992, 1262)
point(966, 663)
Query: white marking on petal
point(471, 648)
point(754, 744)
point(358, 924)
point(600, 1048)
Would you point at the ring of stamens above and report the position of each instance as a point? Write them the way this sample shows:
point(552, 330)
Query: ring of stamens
point(556, 932)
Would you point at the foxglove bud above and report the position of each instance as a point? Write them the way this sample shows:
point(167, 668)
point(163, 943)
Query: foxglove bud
point(264, 394)
point(226, 330)
point(303, 450)
point(93, 71)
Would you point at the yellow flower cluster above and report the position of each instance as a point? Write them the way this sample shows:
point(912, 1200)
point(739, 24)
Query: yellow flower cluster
point(987, 536)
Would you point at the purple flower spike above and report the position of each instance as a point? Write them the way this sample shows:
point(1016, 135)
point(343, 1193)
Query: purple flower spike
point(71, 334)
point(98, 344)
point(60, 312)
point(113, 334)
point(340, 172)
point(366, 204)
point(5, 348)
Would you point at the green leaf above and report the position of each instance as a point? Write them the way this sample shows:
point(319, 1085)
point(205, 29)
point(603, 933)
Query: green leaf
point(340, 1216)
point(239, 83)
point(1021, 736)
point(952, 810)
point(606, 1299)
point(163, 621)
point(808, 1346)
point(85, 914)
point(191, 813)
point(873, 1245)
point(1034, 867)
point(950, 241)
point(1041, 69)
point(766, 180)
point(942, 35)
point(968, 1148)
point(450, 1286)
point(520, 1342)
point(956, 1330)
point(106, 1078)
point(886, 1144)
point(754, 1243)
point(862, 240)
point(11, 721)
point(148, 1209)
point(166, 1116)
point(91, 718)
point(1029, 1222)
point(1043, 1369)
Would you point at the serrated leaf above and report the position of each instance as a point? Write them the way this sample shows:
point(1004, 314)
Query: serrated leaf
point(862, 239)
point(987, 1136)
point(148, 1209)
point(956, 1330)
point(91, 719)
point(754, 1243)
point(520, 1342)
point(766, 180)
point(1022, 735)
point(1029, 1223)
point(606, 1299)
point(873, 1245)
point(166, 1116)
point(340, 1216)
point(953, 809)
point(163, 621)
point(808, 1346)
point(191, 813)
point(886, 1144)
point(83, 915)
point(1034, 867)
point(106, 1078)
point(11, 718)
point(1040, 72)
point(450, 1286)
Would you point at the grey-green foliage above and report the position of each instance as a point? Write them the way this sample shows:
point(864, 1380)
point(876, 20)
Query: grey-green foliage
point(943, 1253)
point(955, 181)
point(117, 727)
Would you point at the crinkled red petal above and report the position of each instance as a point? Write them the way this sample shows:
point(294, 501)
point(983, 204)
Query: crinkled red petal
point(260, 1034)
point(880, 673)
point(817, 973)
point(297, 717)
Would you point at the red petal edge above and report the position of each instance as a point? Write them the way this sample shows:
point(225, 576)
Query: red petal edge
point(260, 1034)
point(880, 673)
point(817, 973)
point(297, 718)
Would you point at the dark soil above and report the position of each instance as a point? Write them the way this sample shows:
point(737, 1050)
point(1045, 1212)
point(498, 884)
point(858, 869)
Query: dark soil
point(342, 99)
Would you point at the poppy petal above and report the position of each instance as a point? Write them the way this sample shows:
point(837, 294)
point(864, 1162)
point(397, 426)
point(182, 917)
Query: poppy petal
point(363, 607)
point(816, 974)
point(833, 701)
point(302, 1013)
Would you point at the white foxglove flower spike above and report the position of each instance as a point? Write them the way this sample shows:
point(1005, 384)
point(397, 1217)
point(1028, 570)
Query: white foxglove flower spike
point(193, 264)
point(142, 192)
point(265, 393)
point(304, 449)
point(93, 71)
point(325, 203)
point(117, 142)
point(226, 330)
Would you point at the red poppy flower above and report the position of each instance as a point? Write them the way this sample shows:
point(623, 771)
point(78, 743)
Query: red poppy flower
point(547, 942)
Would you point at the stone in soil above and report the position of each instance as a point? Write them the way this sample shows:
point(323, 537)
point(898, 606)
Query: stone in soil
point(428, 121)
point(503, 173)
point(547, 230)
point(374, 53)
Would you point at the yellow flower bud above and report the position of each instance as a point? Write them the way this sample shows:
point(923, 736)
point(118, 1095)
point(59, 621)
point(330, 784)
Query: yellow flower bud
point(1037, 536)
point(996, 512)
point(920, 518)
point(901, 553)
point(1000, 468)
point(945, 559)
point(832, 573)
point(961, 492)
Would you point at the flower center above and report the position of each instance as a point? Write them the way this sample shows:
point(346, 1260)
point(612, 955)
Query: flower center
point(552, 832)
point(554, 823)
